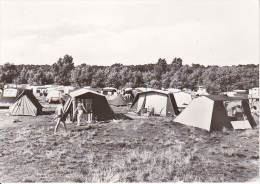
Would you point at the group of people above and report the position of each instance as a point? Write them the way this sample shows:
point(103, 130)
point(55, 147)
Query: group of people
point(60, 112)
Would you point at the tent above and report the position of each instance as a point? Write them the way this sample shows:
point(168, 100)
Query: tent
point(95, 103)
point(162, 102)
point(8, 96)
point(182, 99)
point(119, 101)
point(26, 104)
point(209, 113)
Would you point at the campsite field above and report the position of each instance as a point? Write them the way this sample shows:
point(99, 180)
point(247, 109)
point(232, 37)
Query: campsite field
point(148, 149)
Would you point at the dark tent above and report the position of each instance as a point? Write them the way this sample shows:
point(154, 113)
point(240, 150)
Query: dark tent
point(26, 104)
point(95, 103)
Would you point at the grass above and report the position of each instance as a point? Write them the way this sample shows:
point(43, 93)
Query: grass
point(154, 149)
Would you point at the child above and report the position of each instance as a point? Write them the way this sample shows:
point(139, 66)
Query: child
point(59, 112)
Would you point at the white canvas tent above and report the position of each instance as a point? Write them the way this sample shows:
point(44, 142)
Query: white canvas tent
point(182, 99)
point(163, 102)
point(8, 96)
point(209, 113)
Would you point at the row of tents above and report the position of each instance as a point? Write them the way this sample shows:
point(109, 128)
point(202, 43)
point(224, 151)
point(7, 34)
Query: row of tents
point(206, 112)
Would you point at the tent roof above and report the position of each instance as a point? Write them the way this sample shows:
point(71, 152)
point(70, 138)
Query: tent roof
point(81, 92)
point(225, 98)
point(30, 95)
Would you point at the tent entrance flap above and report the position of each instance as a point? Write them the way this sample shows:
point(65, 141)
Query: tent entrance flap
point(158, 102)
point(220, 118)
point(140, 104)
point(87, 116)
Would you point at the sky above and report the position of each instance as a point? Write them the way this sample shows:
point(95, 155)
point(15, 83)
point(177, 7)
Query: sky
point(206, 32)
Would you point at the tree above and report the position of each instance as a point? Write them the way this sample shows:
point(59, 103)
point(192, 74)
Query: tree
point(98, 79)
point(176, 64)
point(62, 70)
point(160, 68)
point(8, 73)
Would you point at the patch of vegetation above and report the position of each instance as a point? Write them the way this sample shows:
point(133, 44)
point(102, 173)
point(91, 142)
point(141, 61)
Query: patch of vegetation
point(154, 149)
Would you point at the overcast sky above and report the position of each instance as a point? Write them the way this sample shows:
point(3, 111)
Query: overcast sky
point(221, 32)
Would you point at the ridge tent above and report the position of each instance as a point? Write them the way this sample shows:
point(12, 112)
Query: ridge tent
point(209, 113)
point(119, 101)
point(8, 96)
point(26, 104)
point(110, 98)
point(162, 102)
point(95, 103)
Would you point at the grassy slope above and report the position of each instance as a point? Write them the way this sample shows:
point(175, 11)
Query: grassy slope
point(143, 150)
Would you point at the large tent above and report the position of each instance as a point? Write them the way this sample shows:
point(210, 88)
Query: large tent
point(162, 102)
point(209, 113)
point(95, 103)
point(119, 101)
point(26, 104)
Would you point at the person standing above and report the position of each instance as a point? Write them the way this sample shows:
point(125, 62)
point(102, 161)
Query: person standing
point(255, 113)
point(80, 109)
point(59, 111)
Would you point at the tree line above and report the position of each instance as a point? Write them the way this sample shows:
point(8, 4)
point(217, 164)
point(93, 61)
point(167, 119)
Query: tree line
point(158, 75)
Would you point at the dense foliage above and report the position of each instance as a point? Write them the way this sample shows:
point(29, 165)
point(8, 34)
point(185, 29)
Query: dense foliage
point(159, 75)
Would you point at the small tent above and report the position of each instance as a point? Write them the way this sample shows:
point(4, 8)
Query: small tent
point(119, 101)
point(162, 102)
point(96, 105)
point(209, 113)
point(8, 96)
point(26, 104)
